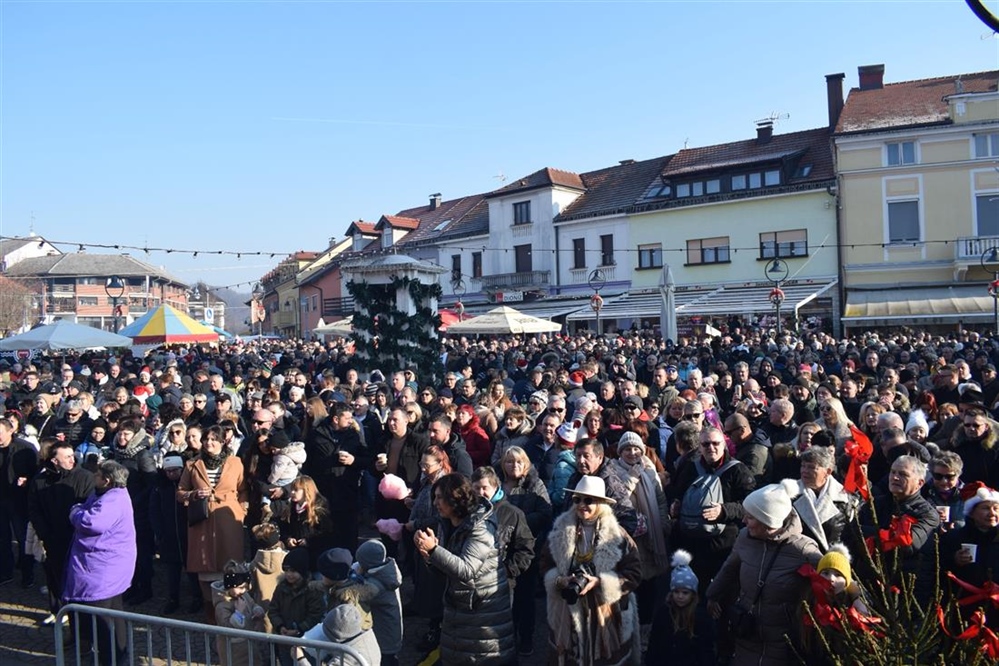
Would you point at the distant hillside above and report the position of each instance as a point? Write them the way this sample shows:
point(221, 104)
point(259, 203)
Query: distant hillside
point(236, 312)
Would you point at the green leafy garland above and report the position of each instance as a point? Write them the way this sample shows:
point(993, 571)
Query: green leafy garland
point(387, 338)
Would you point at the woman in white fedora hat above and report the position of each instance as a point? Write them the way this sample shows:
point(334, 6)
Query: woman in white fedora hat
point(590, 566)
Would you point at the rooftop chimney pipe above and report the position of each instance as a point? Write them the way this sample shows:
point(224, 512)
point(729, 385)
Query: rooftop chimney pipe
point(872, 77)
point(435, 201)
point(764, 132)
point(834, 95)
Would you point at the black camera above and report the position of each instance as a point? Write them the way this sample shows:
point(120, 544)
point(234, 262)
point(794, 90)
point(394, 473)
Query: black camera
point(577, 581)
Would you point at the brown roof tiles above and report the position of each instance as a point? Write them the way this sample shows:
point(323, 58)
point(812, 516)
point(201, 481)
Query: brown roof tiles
point(546, 177)
point(909, 103)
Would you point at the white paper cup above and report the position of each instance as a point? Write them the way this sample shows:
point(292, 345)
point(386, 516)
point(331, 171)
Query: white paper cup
point(972, 549)
point(382, 458)
point(944, 512)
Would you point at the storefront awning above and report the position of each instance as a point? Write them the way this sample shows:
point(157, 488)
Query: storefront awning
point(710, 300)
point(923, 305)
point(543, 309)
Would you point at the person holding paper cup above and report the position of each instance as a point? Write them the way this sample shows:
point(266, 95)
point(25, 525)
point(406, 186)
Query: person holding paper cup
point(970, 553)
point(944, 489)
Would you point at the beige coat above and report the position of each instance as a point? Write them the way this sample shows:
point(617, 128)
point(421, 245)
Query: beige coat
point(213, 542)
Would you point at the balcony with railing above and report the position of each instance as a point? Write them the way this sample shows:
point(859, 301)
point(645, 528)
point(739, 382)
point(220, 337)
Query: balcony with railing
point(526, 281)
point(338, 307)
point(969, 249)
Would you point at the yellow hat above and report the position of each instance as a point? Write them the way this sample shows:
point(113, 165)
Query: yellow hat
point(837, 559)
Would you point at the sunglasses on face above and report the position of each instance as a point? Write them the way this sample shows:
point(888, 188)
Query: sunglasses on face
point(692, 417)
point(938, 476)
point(588, 501)
point(261, 422)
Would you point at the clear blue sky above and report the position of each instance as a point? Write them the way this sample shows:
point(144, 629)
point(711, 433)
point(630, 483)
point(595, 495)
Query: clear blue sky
point(270, 126)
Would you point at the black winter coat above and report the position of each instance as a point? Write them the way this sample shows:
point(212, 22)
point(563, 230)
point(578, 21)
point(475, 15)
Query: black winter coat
point(336, 481)
point(51, 494)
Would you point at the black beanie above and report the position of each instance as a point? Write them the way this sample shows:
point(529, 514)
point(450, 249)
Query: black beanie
point(298, 561)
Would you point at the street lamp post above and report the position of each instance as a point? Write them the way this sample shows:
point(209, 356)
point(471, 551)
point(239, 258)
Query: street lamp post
point(597, 282)
point(114, 287)
point(776, 272)
point(990, 263)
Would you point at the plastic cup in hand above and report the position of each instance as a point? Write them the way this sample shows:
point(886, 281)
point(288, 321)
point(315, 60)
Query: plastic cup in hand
point(971, 548)
point(944, 512)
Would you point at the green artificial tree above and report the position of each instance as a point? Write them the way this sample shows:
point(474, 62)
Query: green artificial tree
point(389, 339)
point(898, 628)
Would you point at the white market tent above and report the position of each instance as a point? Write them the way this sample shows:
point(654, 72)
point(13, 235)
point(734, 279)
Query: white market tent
point(503, 320)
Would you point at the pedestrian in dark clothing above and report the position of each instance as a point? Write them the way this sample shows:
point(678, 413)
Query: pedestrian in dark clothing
point(18, 464)
point(168, 518)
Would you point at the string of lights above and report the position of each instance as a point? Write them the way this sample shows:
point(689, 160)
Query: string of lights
point(201, 252)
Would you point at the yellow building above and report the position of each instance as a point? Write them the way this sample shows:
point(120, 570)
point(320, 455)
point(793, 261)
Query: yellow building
point(918, 169)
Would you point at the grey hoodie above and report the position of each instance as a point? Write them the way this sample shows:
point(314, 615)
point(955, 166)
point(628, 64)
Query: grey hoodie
point(386, 608)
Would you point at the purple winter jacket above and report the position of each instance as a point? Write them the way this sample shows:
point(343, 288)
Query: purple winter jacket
point(102, 555)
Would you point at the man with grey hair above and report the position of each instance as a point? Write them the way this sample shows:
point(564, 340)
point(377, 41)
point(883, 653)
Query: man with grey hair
point(820, 501)
point(905, 481)
point(780, 426)
point(74, 426)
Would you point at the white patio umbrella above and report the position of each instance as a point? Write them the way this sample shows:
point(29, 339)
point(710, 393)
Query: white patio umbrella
point(343, 327)
point(667, 315)
point(503, 320)
point(63, 335)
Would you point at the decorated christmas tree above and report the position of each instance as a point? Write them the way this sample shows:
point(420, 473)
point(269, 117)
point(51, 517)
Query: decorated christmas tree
point(388, 338)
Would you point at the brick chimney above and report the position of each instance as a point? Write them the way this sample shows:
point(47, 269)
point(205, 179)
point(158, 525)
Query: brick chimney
point(764, 131)
point(435, 201)
point(872, 77)
point(834, 95)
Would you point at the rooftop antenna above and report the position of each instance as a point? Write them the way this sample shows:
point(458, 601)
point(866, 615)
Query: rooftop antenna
point(774, 118)
point(500, 177)
point(31, 224)
point(686, 141)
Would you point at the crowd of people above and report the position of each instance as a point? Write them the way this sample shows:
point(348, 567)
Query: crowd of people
point(661, 503)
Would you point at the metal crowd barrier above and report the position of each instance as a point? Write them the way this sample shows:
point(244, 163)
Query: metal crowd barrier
point(181, 642)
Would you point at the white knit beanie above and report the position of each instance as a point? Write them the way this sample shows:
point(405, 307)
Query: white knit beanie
point(771, 505)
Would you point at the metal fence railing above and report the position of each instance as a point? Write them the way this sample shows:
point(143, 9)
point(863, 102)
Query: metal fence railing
point(92, 634)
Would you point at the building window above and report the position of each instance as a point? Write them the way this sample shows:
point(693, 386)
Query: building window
point(708, 250)
point(784, 244)
point(987, 207)
point(713, 186)
point(522, 257)
point(87, 301)
point(607, 250)
point(522, 212)
point(903, 221)
point(579, 253)
point(771, 178)
point(682, 190)
point(650, 256)
point(739, 182)
point(755, 181)
point(987, 145)
point(455, 267)
point(476, 264)
point(902, 152)
point(315, 302)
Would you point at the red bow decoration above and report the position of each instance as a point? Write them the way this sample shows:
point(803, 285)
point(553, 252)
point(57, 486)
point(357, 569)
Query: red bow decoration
point(976, 629)
point(828, 616)
point(859, 449)
point(824, 613)
point(898, 535)
point(988, 592)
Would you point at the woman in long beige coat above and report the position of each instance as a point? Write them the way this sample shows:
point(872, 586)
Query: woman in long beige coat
point(216, 476)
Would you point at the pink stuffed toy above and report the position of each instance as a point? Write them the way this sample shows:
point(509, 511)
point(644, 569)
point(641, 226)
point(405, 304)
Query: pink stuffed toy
point(390, 527)
point(392, 487)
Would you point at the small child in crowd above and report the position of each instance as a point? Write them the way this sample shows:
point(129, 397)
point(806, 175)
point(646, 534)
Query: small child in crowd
point(235, 607)
point(296, 606)
point(374, 566)
point(682, 631)
point(266, 565)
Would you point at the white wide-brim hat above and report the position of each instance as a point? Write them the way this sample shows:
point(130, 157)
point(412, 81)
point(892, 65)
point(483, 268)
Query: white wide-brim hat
point(592, 486)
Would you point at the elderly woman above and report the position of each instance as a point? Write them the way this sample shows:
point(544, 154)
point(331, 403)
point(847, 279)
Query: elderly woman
point(823, 506)
point(102, 555)
point(972, 551)
point(478, 621)
point(758, 586)
point(590, 567)
point(212, 486)
point(944, 489)
point(638, 475)
point(525, 490)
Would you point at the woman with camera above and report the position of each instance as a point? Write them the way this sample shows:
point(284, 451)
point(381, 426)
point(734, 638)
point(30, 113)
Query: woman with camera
point(758, 588)
point(590, 566)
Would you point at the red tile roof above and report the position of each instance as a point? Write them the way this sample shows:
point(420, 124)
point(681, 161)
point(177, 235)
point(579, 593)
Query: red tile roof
point(909, 103)
point(398, 222)
point(365, 228)
point(546, 177)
